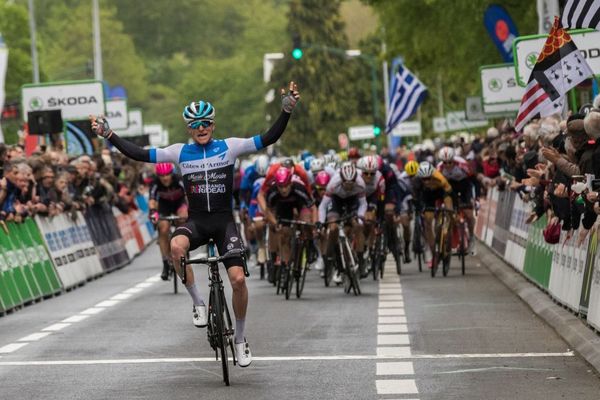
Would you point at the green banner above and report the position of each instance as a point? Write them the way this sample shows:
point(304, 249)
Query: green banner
point(15, 264)
point(8, 287)
point(538, 255)
point(43, 256)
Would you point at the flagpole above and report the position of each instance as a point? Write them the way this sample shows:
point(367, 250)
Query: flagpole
point(34, 54)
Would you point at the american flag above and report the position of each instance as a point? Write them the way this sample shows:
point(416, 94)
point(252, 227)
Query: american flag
point(407, 94)
point(581, 14)
point(559, 68)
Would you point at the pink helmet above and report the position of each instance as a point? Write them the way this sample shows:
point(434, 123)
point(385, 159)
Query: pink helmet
point(164, 169)
point(283, 176)
point(322, 179)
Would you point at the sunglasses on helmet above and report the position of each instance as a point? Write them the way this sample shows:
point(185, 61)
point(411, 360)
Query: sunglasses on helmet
point(205, 123)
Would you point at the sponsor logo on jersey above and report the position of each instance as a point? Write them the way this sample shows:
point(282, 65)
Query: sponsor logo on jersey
point(203, 189)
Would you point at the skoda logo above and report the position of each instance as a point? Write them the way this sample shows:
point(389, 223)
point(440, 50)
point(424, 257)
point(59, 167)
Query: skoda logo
point(36, 103)
point(495, 85)
point(531, 59)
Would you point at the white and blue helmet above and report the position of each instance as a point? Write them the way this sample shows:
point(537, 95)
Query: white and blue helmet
point(198, 111)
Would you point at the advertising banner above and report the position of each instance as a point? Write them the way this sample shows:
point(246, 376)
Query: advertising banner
point(538, 256)
point(3, 68)
point(117, 114)
point(504, 208)
point(567, 273)
point(499, 88)
point(136, 124)
point(76, 100)
point(407, 128)
point(71, 248)
point(528, 48)
point(127, 225)
point(593, 308)
point(106, 237)
point(501, 29)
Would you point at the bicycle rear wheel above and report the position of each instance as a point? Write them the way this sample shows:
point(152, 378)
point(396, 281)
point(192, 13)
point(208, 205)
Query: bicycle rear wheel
point(438, 248)
point(175, 278)
point(463, 248)
point(351, 269)
point(289, 279)
point(447, 252)
point(328, 269)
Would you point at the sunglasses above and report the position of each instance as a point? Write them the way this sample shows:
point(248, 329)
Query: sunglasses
point(448, 162)
point(202, 123)
point(368, 173)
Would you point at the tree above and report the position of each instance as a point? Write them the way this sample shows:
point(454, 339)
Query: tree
point(67, 51)
point(327, 78)
point(449, 40)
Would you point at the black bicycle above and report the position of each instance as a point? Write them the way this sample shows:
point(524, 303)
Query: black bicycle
point(172, 219)
point(394, 243)
point(378, 253)
point(344, 258)
point(297, 267)
point(219, 330)
point(443, 241)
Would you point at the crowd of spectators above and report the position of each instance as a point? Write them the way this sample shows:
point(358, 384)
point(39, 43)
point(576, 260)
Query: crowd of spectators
point(553, 165)
point(53, 182)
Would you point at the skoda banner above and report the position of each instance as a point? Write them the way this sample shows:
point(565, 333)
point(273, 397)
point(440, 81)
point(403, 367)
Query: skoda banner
point(527, 50)
point(76, 100)
point(499, 89)
point(501, 29)
point(116, 113)
point(135, 124)
point(3, 65)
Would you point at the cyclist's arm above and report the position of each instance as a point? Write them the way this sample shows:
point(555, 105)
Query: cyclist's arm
point(323, 207)
point(135, 152)
point(262, 201)
point(362, 205)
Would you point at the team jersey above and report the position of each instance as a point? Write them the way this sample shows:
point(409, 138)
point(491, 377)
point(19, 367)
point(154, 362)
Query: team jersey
point(284, 206)
point(174, 193)
point(458, 171)
point(336, 189)
point(208, 170)
point(253, 208)
point(436, 182)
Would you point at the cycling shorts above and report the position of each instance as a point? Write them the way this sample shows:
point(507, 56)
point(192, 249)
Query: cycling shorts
point(341, 207)
point(462, 192)
point(221, 227)
point(399, 198)
point(166, 208)
point(431, 197)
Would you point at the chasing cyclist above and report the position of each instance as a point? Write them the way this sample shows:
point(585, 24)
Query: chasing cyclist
point(207, 166)
point(167, 197)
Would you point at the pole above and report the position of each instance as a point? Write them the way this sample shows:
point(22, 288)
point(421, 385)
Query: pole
point(98, 75)
point(32, 34)
point(440, 95)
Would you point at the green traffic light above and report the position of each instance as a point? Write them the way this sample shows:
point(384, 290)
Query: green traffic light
point(376, 130)
point(297, 53)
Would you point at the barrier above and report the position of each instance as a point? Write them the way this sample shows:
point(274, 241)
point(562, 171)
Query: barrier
point(127, 226)
point(146, 228)
point(106, 237)
point(20, 272)
point(73, 253)
point(568, 272)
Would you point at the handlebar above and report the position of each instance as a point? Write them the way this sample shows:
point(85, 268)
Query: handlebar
point(295, 222)
point(210, 260)
point(170, 218)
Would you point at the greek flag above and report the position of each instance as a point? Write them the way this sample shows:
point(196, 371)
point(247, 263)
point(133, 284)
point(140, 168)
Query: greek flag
point(406, 95)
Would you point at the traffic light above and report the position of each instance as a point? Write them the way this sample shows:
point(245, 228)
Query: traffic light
point(376, 130)
point(297, 47)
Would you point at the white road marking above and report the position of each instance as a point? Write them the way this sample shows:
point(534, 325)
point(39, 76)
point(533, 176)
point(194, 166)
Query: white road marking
point(395, 368)
point(34, 337)
point(9, 348)
point(155, 278)
point(391, 320)
point(121, 296)
point(143, 285)
point(390, 311)
point(56, 327)
point(396, 386)
point(462, 371)
point(400, 351)
point(391, 297)
point(392, 328)
point(107, 303)
point(390, 286)
point(276, 358)
point(75, 318)
point(390, 291)
point(392, 339)
point(133, 290)
point(390, 304)
point(92, 311)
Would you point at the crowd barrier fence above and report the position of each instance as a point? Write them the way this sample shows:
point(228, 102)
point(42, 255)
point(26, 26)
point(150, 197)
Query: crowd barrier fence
point(569, 272)
point(44, 256)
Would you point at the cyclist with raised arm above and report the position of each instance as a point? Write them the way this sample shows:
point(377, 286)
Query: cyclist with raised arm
point(207, 166)
point(166, 197)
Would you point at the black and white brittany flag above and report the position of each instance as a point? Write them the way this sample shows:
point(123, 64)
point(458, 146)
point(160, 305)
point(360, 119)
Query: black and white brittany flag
point(559, 68)
point(581, 14)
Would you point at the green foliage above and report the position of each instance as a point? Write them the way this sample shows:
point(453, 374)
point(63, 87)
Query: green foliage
point(327, 78)
point(449, 39)
point(15, 30)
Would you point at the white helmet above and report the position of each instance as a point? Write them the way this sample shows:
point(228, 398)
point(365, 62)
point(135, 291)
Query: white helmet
point(425, 170)
point(446, 154)
point(317, 164)
point(368, 163)
point(330, 161)
point(261, 164)
point(348, 171)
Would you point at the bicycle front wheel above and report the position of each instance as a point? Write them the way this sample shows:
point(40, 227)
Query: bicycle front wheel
point(302, 277)
point(219, 331)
